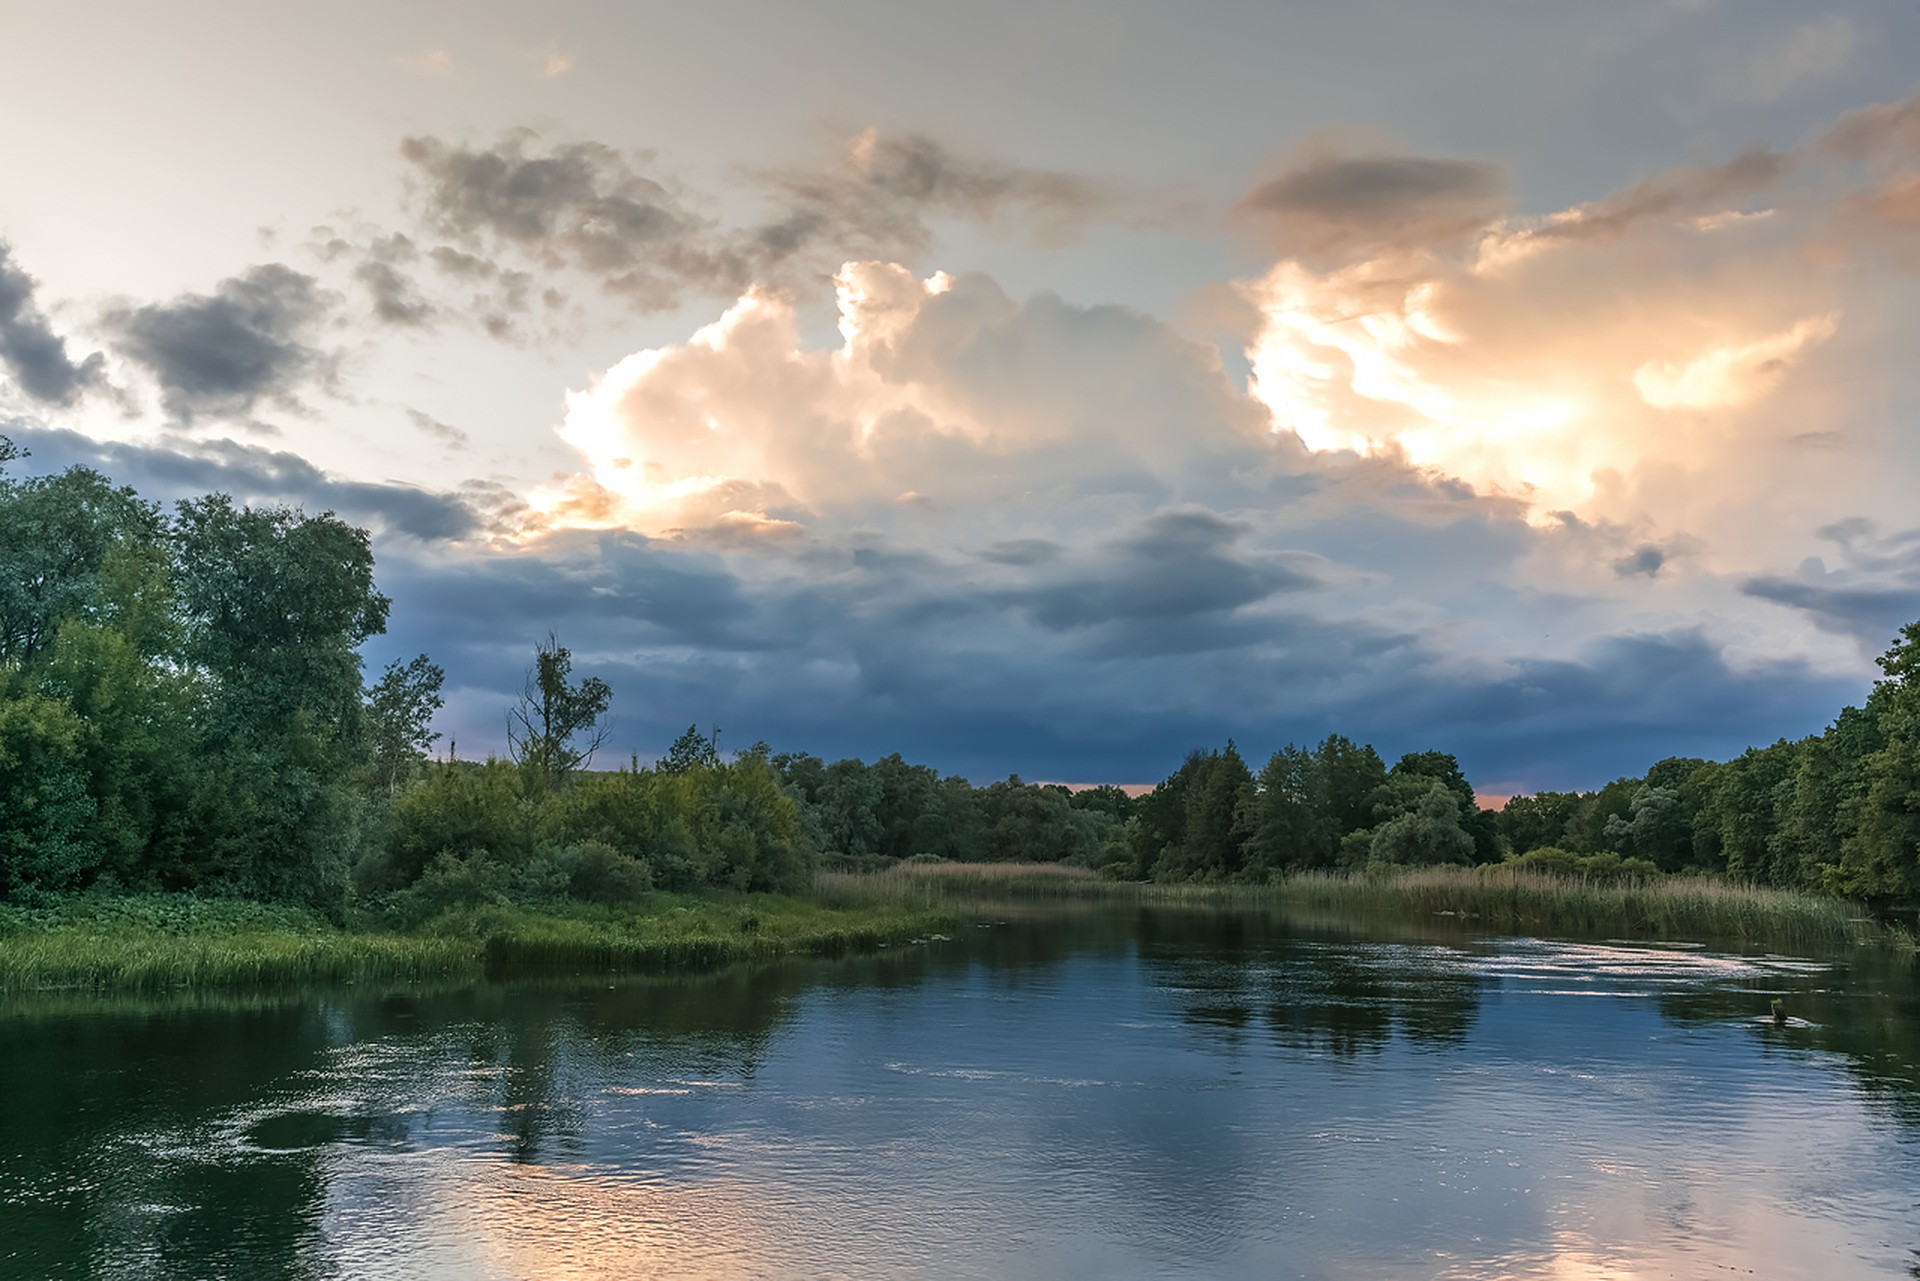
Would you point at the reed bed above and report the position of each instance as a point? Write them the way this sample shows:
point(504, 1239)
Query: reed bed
point(1680, 907)
point(1503, 899)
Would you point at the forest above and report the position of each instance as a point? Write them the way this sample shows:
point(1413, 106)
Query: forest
point(183, 708)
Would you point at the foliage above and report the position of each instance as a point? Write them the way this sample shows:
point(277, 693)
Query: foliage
point(557, 725)
point(182, 708)
point(400, 707)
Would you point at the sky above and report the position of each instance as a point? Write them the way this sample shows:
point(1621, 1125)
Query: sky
point(1042, 389)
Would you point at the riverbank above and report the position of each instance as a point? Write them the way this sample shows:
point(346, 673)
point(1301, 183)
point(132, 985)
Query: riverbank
point(175, 942)
point(1494, 898)
point(163, 942)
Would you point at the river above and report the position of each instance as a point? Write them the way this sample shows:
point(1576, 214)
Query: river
point(1139, 1093)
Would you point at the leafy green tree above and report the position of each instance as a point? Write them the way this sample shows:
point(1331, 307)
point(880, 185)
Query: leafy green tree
point(1443, 767)
point(1215, 793)
point(1586, 832)
point(1881, 859)
point(275, 605)
point(1538, 820)
point(692, 750)
point(557, 725)
point(399, 708)
point(1658, 827)
point(44, 807)
point(1289, 820)
point(57, 534)
point(1426, 831)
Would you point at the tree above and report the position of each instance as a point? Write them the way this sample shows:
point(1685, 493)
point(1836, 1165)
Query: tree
point(399, 706)
point(1428, 831)
point(57, 533)
point(557, 726)
point(692, 750)
point(1881, 858)
point(275, 604)
point(1289, 822)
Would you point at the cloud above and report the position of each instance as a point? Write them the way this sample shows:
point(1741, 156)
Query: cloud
point(615, 218)
point(224, 354)
point(396, 297)
point(1811, 51)
point(943, 388)
point(1585, 359)
point(579, 205)
point(1646, 559)
point(445, 433)
point(30, 352)
point(1873, 592)
point(174, 467)
point(1335, 205)
point(879, 195)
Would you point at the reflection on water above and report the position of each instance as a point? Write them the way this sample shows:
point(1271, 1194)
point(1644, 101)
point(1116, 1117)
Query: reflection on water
point(1158, 1093)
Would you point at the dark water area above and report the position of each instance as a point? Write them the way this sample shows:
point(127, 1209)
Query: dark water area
point(1099, 1094)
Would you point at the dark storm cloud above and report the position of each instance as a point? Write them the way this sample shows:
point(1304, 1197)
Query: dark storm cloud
point(1646, 560)
point(1181, 565)
point(1872, 613)
point(979, 686)
point(31, 354)
point(250, 342)
point(186, 469)
point(1628, 701)
point(1337, 205)
point(1871, 596)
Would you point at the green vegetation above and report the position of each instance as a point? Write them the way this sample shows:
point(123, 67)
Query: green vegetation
point(182, 715)
point(1502, 897)
point(168, 942)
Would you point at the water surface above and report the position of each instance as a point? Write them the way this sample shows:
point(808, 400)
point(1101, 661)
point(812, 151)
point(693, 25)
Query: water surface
point(1132, 1094)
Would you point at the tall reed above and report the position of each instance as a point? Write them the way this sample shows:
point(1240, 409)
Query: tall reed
point(1499, 898)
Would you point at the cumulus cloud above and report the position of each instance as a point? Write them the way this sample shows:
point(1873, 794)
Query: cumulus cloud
point(583, 209)
point(252, 341)
point(942, 388)
point(31, 353)
point(1583, 359)
point(976, 519)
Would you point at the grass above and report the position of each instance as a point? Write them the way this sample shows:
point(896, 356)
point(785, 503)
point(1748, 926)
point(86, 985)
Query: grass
point(165, 942)
point(1495, 898)
point(172, 943)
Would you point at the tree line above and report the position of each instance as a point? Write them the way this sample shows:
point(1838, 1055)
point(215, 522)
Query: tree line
point(182, 707)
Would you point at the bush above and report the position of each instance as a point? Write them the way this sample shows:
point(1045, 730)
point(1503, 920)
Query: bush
point(602, 874)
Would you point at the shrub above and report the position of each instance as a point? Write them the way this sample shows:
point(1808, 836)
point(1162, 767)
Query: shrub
point(602, 874)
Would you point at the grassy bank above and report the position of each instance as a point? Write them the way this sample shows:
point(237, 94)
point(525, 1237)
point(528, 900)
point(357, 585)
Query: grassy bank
point(1501, 899)
point(161, 943)
point(156, 943)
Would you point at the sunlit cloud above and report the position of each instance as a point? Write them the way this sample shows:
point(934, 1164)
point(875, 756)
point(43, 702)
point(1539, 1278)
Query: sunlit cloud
point(1564, 359)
